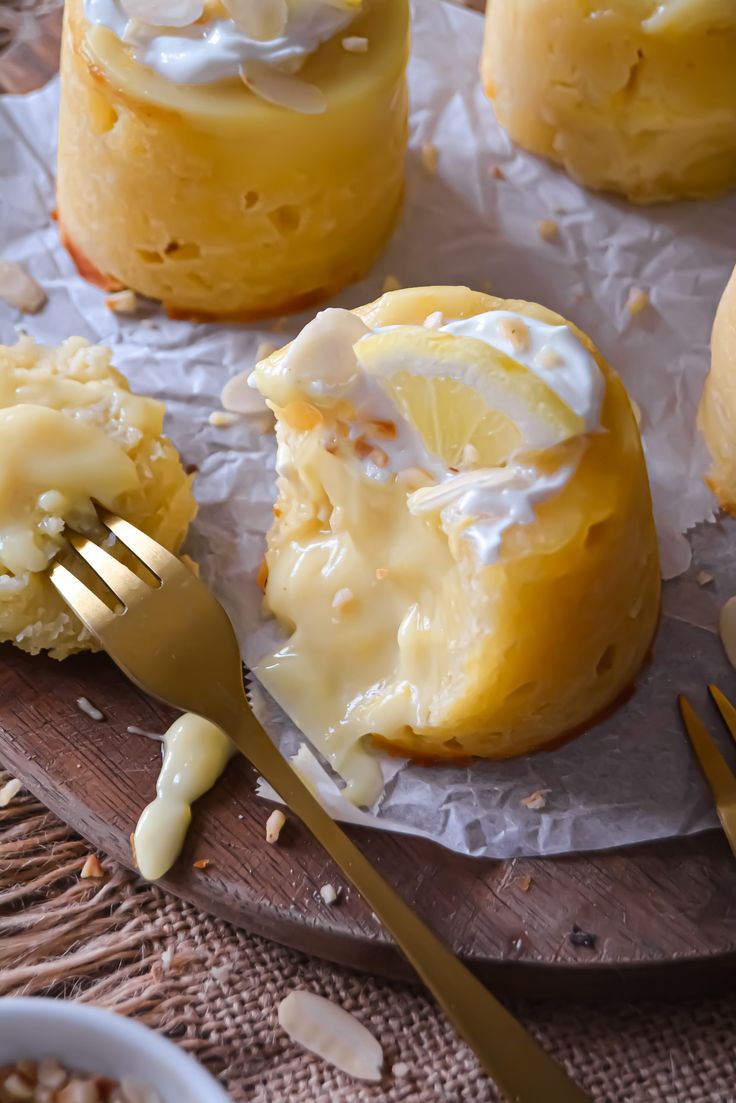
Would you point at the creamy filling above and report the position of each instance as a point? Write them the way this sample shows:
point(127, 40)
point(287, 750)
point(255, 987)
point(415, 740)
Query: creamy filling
point(195, 754)
point(378, 542)
point(215, 48)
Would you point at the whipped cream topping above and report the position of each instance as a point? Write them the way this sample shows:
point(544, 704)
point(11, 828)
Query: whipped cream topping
point(478, 504)
point(217, 49)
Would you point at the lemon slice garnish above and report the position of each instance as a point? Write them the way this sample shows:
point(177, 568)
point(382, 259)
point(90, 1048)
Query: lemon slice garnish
point(459, 391)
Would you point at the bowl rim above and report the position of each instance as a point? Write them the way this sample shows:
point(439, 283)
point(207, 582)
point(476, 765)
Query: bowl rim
point(114, 1025)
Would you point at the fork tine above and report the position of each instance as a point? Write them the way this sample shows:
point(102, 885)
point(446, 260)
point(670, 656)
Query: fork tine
point(724, 706)
point(92, 612)
point(162, 562)
point(119, 578)
point(712, 762)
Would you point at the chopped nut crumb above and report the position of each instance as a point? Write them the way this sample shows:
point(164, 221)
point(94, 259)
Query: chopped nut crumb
point(9, 790)
point(391, 283)
point(637, 301)
point(548, 358)
point(122, 302)
point(86, 706)
point(222, 419)
point(91, 870)
point(381, 573)
point(536, 800)
point(201, 863)
point(430, 158)
point(48, 1081)
point(328, 894)
point(703, 578)
point(355, 44)
point(515, 332)
point(434, 320)
point(342, 598)
point(274, 824)
point(548, 229)
point(524, 883)
point(20, 290)
point(497, 173)
point(400, 1070)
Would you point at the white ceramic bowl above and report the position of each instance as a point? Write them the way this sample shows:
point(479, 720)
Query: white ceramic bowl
point(96, 1041)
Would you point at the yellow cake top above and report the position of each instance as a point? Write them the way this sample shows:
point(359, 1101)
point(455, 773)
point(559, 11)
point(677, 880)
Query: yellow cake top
point(261, 42)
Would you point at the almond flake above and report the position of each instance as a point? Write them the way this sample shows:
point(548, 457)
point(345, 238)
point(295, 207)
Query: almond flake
point(497, 173)
point(430, 157)
point(328, 894)
point(9, 790)
point(536, 800)
point(222, 419)
point(122, 302)
point(274, 824)
point(548, 229)
point(434, 320)
point(261, 20)
point(400, 1070)
point(524, 883)
point(703, 578)
point(332, 1033)
point(548, 358)
point(283, 90)
point(92, 870)
point(20, 290)
point(84, 705)
point(238, 397)
point(355, 44)
point(164, 13)
point(201, 863)
point(637, 301)
point(515, 332)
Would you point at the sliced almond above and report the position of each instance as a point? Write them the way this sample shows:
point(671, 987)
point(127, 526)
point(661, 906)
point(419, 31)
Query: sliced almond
point(332, 1033)
point(637, 301)
point(261, 20)
point(283, 89)
point(9, 790)
point(20, 290)
point(536, 800)
point(548, 229)
point(122, 302)
point(430, 158)
point(92, 870)
point(274, 824)
point(355, 44)
point(164, 13)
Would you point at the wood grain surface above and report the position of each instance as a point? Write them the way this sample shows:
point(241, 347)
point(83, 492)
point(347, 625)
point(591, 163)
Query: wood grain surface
point(661, 918)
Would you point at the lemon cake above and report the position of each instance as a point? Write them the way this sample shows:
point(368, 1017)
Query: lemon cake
point(71, 431)
point(232, 160)
point(717, 414)
point(631, 96)
point(463, 557)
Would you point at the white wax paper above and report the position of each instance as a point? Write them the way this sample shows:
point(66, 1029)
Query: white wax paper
point(632, 777)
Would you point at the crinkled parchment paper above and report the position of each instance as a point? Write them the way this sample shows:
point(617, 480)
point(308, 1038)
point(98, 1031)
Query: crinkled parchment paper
point(631, 778)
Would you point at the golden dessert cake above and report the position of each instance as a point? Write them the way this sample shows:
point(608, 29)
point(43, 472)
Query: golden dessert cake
point(232, 160)
point(717, 413)
point(631, 96)
point(71, 431)
point(463, 557)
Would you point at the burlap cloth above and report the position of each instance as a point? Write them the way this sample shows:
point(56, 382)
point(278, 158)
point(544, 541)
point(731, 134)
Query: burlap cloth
point(126, 945)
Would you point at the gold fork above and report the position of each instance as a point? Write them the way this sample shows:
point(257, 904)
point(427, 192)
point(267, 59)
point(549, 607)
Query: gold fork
point(717, 772)
point(175, 641)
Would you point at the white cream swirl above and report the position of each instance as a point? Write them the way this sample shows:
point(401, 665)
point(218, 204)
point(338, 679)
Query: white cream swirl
point(216, 49)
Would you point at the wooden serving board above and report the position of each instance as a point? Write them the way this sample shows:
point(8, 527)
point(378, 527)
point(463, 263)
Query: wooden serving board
point(663, 915)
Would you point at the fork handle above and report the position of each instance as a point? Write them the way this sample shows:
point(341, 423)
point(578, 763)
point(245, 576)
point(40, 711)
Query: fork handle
point(520, 1067)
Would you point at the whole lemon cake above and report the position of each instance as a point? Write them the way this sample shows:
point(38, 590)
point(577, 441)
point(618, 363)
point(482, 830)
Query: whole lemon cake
point(72, 432)
point(717, 414)
point(231, 159)
point(631, 96)
point(463, 557)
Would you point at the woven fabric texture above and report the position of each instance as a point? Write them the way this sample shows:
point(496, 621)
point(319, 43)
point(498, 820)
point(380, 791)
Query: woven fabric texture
point(126, 945)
